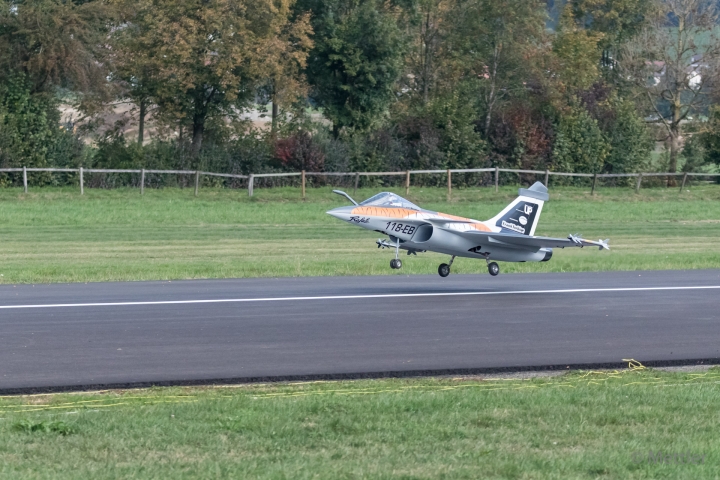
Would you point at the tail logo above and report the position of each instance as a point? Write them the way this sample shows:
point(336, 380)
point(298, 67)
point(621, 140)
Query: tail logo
point(519, 217)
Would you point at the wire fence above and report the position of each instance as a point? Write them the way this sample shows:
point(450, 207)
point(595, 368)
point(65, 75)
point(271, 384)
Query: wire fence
point(250, 181)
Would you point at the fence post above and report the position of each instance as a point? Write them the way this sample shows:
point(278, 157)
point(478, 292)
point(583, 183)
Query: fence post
point(142, 182)
point(547, 177)
point(357, 181)
point(197, 182)
point(683, 182)
point(82, 182)
point(497, 178)
point(407, 182)
point(251, 180)
point(592, 191)
point(25, 178)
point(637, 187)
point(302, 181)
point(449, 173)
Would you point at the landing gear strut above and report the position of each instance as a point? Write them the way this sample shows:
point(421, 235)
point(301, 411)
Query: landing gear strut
point(444, 268)
point(396, 263)
point(493, 269)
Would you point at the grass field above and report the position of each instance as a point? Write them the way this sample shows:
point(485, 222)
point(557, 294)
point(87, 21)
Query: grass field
point(55, 235)
point(579, 425)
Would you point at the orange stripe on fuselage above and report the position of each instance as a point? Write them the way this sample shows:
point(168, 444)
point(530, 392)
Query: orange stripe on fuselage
point(383, 212)
point(406, 212)
point(477, 226)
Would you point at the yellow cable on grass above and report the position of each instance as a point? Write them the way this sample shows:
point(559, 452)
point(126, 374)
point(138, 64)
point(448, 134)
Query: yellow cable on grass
point(593, 377)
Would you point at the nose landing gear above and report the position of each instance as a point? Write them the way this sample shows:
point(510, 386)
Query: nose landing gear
point(396, 263)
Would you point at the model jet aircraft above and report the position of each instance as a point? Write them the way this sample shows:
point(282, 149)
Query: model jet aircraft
point(507, 237)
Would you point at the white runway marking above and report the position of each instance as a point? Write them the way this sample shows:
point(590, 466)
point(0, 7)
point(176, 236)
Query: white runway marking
point(352, 297)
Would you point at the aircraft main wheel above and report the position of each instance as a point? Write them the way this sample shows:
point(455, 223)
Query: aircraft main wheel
point(444, 270)
point(395, 263)
point(493, 268)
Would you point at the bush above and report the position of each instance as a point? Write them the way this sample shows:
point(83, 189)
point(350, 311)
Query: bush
point(31, 134)
point(580, 146)
point(299, 152)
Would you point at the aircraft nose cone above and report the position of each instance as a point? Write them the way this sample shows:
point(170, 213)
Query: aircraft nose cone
point(343, 213)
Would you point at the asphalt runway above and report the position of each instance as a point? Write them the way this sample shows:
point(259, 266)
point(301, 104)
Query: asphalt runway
point(92, 335)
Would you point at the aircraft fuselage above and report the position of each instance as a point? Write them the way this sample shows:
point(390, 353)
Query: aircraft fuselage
point(423, 230)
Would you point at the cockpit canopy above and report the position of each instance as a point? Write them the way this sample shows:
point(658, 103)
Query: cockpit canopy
point(389, 199)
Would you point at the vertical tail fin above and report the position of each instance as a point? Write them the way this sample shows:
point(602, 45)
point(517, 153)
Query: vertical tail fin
point(522, 215)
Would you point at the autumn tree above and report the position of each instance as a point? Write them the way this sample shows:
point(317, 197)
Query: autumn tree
point(285, 78)
point(673, 61)
point(206, 57)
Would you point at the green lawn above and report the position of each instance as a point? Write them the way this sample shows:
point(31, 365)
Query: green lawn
point(55, 235)
point(580, 425)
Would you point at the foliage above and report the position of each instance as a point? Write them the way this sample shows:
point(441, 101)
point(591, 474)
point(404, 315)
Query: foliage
point(617, 20)
point(423, 142)
point(454, 116)
point(694, 154)
point(496, 43)
point(580, 146)
point(521, 137)
point(430, 61)
point(672, 67)
point(629, 139)
point(242, 155)
point(399, 84)
point(299, 152)
point(578, 53)
point(57, 43)
point(205, 57)
point(30, 130)
point(357, 60)
point(711, 138)
point(626, 133)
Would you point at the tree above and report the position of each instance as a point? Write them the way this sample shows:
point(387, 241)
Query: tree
point(617, 21)
point(46, 45)
point(494, 40)
point(429, 59)
point(56, 43)
point(579, 145)
point(357, 60)
point(206, 56)
point(577, 51)
point(673, 61)
point(627, 136)
point(286, 82)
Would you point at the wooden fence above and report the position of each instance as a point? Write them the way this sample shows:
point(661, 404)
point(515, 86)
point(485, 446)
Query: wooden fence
point(356, 175)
